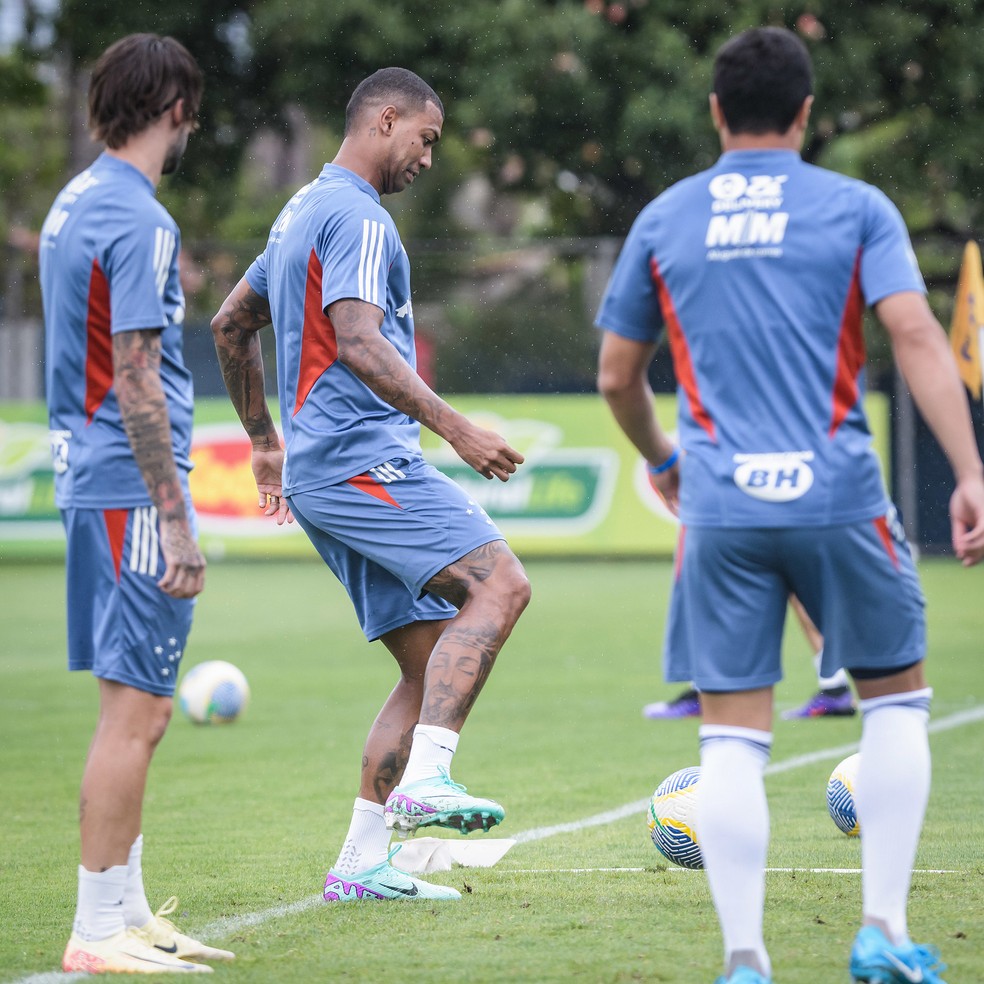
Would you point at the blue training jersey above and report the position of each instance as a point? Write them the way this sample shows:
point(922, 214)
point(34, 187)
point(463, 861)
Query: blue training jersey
point(759, 269)
point(109, 263)
point(333, 240)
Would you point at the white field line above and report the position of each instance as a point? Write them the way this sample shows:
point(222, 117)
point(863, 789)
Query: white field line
point(957, 720)
point(810, 871)
point(229, 926)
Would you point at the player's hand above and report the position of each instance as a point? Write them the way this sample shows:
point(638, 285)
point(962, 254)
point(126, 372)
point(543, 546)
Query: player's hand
point(184, 575)
point(667, 487)
point(666, 483)
point(268, 466)
point(967, 520)
point(487, 452)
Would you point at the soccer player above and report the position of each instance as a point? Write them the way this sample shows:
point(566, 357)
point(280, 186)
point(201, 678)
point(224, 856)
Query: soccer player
point(427, 571)
point(833, 697)
point(760, 268)
point(120, 408)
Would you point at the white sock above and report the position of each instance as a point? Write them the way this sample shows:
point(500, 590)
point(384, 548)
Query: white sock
point(367, 841)
point(733, 830)
point(99, 912)
point(432, 749)
point(136, 908)
point(839, 679)
point(893, 790)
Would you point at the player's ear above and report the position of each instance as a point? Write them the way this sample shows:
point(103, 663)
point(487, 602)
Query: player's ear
point(387, 120)
point(177, 112)
point(717, 117)
point(803, 116)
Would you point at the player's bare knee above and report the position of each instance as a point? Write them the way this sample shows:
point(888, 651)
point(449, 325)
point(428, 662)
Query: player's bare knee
point(521, 591)
point(158, 720)
point(510, 588)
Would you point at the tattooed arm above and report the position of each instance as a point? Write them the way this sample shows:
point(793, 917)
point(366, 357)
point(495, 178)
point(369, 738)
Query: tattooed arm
point(368, 354)
point(143, 407)
point(237, 343)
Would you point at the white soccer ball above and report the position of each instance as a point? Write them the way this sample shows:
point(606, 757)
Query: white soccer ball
point(214, 692)
point(840, 796)
point(672, 818)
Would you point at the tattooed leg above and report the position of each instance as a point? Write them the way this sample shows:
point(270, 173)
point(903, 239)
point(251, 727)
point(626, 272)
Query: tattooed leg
point(490, 589)
point(388, 743)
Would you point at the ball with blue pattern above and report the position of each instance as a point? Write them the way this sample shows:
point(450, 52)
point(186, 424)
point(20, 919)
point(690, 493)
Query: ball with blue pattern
point(213, 692)
point(672, 818)
point(840, 796)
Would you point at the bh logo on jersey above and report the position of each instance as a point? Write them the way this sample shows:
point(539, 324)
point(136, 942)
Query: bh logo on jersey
point(745, 211)
point(776, 477)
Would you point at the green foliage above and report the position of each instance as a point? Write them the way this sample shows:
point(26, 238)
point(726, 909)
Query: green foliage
point(216, 33)
point(31, 152)
point(244, 819)
point(615, 93)
point(574, 112)
point(592, 106)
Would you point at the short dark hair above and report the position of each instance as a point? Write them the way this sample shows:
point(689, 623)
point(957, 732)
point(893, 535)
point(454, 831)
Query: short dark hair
point(136, 80)
point(761, 78)
point(399, 86)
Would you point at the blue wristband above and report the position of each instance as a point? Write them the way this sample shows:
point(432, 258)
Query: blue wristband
point(666, 465)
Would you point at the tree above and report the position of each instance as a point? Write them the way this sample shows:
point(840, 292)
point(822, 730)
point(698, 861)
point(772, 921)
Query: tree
point(589, 106)
point(216, 32)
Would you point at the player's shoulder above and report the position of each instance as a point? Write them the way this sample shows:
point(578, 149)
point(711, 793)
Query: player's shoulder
point(117, 218)
point(337, 199)
point(820, 175)
point(682, 191)
point(673, 202)
point(347, 188)
point(124, 190)
point(867, 202)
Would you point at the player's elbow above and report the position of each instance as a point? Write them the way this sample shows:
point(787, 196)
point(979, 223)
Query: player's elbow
point(349, 355)
point(220, 323)
point(614, 382)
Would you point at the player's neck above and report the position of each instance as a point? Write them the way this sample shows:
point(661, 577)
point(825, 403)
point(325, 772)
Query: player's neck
point(148, 150)
point(147, 164)
point(762, 141)
point(350, 157)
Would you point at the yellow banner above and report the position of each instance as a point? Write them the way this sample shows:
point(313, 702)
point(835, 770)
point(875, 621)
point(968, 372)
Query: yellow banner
point(968, 319)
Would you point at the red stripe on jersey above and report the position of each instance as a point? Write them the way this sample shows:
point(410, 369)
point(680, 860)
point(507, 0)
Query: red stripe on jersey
point(888, 543)
point(850, 351)
point(99, 343)
point(682, 364)
point(678, 559)
point(319, 347)
point(116, 534)
point(366, 483)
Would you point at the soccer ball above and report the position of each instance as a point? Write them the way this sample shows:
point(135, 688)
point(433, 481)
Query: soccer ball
point(672, 812)
point(840, 796)
point(214, 692)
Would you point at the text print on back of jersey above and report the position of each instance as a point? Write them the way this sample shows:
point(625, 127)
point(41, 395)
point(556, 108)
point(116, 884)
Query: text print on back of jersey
point(59, 213)
point(779, 476)
point(745, 219)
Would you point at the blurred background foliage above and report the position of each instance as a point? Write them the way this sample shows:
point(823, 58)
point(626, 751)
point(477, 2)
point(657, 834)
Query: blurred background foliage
point(564, 117)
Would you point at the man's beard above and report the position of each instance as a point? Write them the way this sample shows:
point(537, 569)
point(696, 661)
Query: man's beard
point(174, 154)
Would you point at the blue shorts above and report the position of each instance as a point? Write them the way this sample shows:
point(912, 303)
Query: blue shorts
point(121, 626)
point(857, 583)
point(387, 532)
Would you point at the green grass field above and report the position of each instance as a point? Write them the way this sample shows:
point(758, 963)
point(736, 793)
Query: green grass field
point(242, 821)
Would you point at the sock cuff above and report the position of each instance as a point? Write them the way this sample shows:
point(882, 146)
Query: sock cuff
point(367, 806)
point(443, 737)
point(916, 699)
point(115, 873)
point(760, 742)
